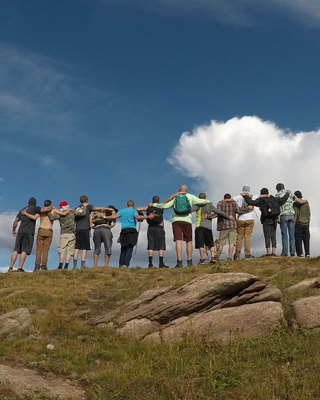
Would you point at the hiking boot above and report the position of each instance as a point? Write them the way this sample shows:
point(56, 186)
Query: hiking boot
point(189, 263)
point(21, 270)
point(123, 266)
point(163, 266)
point(36, 268)
point(44, 268)
point(213, 260)
point(60, 267)
point(273, 255)
point(235, 257)
point(150, 266)
point(179, 266)
point(201, 262)
point(229, 259)
point(247, 257)
point(65, 267)
point(75, 268)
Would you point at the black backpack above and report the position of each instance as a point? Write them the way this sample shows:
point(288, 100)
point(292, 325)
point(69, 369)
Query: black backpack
point(271, 208)
point(158, 218)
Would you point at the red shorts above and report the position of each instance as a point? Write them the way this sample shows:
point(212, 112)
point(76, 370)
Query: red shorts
point(182, 231)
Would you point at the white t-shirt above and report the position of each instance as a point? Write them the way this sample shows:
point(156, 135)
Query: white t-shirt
point(240, 201)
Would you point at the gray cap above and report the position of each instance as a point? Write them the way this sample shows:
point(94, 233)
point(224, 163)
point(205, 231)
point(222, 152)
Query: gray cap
point(246, 188)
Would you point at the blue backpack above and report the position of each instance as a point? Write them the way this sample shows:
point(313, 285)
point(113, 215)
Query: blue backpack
point(182, 205)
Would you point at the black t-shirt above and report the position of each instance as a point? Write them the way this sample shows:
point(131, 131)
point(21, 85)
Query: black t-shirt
point(83, 222)
point(28, 225)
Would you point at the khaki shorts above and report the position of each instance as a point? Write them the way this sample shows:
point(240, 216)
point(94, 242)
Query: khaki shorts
point(227, 234)
point(66, 244)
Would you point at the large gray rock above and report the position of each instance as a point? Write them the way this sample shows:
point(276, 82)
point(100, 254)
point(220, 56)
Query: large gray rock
point(305, 284)
point(307, 312)
point(24, 382)
point(212, 304)
point(15, 322)
point(224, 324)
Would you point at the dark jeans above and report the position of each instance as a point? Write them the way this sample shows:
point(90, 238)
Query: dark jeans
point(302, 235)
point(269, 231)
point(125, 255)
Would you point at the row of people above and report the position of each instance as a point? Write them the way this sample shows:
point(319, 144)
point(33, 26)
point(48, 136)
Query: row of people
point(75, 225)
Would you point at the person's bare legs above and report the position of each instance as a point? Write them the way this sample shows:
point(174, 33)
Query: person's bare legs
point(189, 250)
point(219, 251)
point(13, 259)
point(22, 259)
point(179, 249)
point(95, 259)
point(84, 255)
point(202, 252)
point(106, 259)
point(230, 250)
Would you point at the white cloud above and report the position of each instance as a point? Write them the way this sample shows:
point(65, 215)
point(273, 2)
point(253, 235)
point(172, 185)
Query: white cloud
point(224, 156)
point(245, 12)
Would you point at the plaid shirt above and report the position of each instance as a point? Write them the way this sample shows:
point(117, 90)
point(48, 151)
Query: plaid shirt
point(231, 208)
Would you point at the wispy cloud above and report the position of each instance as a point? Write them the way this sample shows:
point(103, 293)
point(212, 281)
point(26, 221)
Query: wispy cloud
point(245, 12)
point(40, 97)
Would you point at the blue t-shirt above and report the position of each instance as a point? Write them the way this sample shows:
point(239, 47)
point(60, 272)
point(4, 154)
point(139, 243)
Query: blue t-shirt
point(127, 217)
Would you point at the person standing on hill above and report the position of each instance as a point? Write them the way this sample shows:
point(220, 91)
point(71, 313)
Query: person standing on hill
point(44, 237)
point(181, 204)
point(25, 236)
point(129, 234)
point(156, 234)
point(270, 210)
point(287, 222)
point(302, 233)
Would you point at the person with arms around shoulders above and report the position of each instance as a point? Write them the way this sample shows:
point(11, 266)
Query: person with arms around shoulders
point(102, 234)
point(181, 204)
point(228, 227)
point(66, 217)
point(270, 210)
point(302, 216)
point(128, 234)
point(25, 236)
point(203, 232)
point(156, 235)
point(287, 221)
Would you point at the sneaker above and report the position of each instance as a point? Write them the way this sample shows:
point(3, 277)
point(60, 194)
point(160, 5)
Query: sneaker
point(273, 255)
point(178, 266)
point(301, 256)
point(229, 259)
point(308, 255)
point(59, 267)
point(163, 266)
point(213, 260)
point(21, 270)
point(201, 262)
point(36, 268)
point(150, 266)
point(65, 267)
point(10, 269)
point(247, 257)
point(123, 266)
point(236, 257)
point(44, 268)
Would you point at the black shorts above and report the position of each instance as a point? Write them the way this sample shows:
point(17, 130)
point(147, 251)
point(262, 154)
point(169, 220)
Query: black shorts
point(156, 238)
point(24, 243)
point(203, 237)
point(83, 239)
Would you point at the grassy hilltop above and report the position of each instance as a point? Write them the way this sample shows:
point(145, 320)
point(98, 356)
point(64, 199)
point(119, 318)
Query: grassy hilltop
point(284, 365)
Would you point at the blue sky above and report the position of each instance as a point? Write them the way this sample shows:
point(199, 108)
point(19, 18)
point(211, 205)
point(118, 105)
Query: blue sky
point(96, 95)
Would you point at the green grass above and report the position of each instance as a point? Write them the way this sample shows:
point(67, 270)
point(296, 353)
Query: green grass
point(283, 365)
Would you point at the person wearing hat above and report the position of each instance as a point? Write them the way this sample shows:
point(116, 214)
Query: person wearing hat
point(25, 235)
point(66, 217)
point(44, 237)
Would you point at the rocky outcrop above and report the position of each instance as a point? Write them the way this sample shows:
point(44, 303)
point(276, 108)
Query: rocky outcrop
point(214, 305)
point(307, 312)
point(14, 322)
point(305, 284)
point(22, 382)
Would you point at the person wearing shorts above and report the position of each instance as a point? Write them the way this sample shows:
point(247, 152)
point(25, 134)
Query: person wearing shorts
point(25, 236)
point(83, 230)
point(66, 217)
point(102, 234)
point(182, 224)
point(228, 227)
